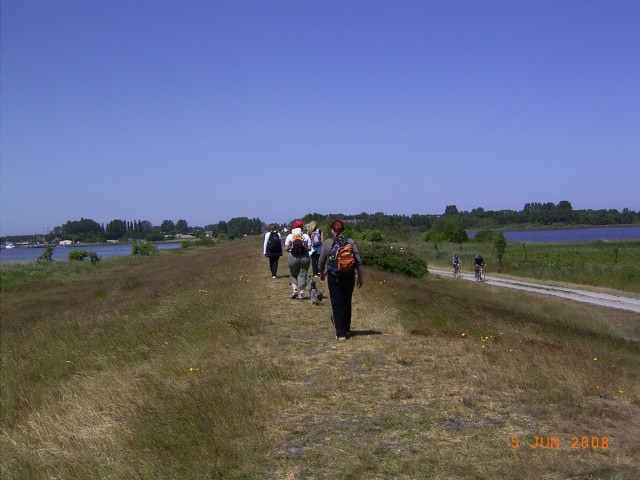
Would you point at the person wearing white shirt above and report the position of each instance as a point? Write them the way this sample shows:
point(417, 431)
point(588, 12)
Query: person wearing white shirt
point(298, 244)
point(272, 248)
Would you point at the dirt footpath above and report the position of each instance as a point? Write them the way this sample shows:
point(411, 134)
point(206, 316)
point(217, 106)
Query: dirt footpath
point(579, 295)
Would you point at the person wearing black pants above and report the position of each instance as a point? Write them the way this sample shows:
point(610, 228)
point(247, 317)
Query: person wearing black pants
point(272, 249)
point(342, 277)
point(340, 293)
point(273, 265)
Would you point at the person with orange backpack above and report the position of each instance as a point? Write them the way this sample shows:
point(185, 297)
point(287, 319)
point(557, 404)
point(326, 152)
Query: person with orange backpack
point(298, 244)
point(342, 260)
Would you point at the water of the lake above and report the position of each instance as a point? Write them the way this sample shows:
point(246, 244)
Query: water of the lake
point(574, 235)
point(564, 235)
point(62, 253)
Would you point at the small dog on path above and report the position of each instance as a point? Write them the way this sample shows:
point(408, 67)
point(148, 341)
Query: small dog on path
point(315, 294)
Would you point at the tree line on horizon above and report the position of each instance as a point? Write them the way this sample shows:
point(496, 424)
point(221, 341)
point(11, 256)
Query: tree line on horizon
point(534, 214)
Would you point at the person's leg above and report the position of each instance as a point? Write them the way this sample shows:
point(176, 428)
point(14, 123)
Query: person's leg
point(348, 284)
point(273, 265)
point(302, 274)
point(294, 270)
point(314, 263)
point(336, 293)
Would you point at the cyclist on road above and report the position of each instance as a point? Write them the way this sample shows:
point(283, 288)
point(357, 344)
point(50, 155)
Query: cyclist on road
point(456, 265)
point(478, 264)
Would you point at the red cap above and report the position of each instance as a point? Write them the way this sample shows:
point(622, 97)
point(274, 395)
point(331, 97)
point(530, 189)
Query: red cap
point(298, 224)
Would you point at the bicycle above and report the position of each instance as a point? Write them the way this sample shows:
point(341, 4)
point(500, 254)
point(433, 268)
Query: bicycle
point(456, 269)
point(480, 274)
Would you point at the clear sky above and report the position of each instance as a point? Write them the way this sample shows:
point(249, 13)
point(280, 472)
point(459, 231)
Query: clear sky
point(206, 110)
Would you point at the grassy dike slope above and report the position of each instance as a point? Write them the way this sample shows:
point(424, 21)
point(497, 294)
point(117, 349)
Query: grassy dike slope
point(196, 364)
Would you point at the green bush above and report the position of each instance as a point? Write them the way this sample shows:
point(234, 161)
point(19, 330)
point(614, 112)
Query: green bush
point(46, 257)
point(206, 241)
point(501, 246)
point(450, 233)
point(486, 236)
point(373, 235)
point(154, 237)
point(390, 259)
point(144, 248)
point(80, 255)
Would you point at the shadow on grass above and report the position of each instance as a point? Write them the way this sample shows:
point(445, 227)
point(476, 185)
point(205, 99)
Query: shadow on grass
point(363, 333)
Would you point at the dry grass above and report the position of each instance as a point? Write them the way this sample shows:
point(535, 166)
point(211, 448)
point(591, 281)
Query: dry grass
point(414, 398)
point(198, 365)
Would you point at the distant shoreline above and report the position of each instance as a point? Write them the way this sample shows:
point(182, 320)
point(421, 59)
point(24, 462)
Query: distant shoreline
point(562, 226)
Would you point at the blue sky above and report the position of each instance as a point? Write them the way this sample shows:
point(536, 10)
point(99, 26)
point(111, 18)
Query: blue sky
point(209, 110)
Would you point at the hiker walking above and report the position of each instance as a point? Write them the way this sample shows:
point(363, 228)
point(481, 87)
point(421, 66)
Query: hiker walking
point(317, 239)
point(298, 244)
point(273, 248)
point(342, 259)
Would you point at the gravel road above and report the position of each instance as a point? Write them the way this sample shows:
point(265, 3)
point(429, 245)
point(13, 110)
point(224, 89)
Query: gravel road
point(586, 296)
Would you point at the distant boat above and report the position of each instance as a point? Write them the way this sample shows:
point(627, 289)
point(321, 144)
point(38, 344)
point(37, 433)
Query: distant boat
point(9, 245)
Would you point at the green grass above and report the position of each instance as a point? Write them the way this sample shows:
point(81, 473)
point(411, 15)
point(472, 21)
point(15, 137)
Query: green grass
point(197, 364)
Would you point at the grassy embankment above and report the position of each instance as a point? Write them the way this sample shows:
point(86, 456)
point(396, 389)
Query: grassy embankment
point(614, 265)
point(196, 364)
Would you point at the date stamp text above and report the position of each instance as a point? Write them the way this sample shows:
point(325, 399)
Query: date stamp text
point(553, 442)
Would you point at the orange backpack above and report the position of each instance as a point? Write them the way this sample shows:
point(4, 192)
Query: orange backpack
point(342, 257)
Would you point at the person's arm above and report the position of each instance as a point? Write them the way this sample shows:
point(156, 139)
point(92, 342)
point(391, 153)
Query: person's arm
point(280, 243)
point(322, 260)
point(266, 240)
point(360, 279)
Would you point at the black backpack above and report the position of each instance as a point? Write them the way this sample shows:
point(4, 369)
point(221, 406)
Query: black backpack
point(273, 244)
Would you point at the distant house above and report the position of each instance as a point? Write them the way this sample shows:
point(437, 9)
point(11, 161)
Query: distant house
point(354, 221)
point(183, 236)
point(65, 243)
